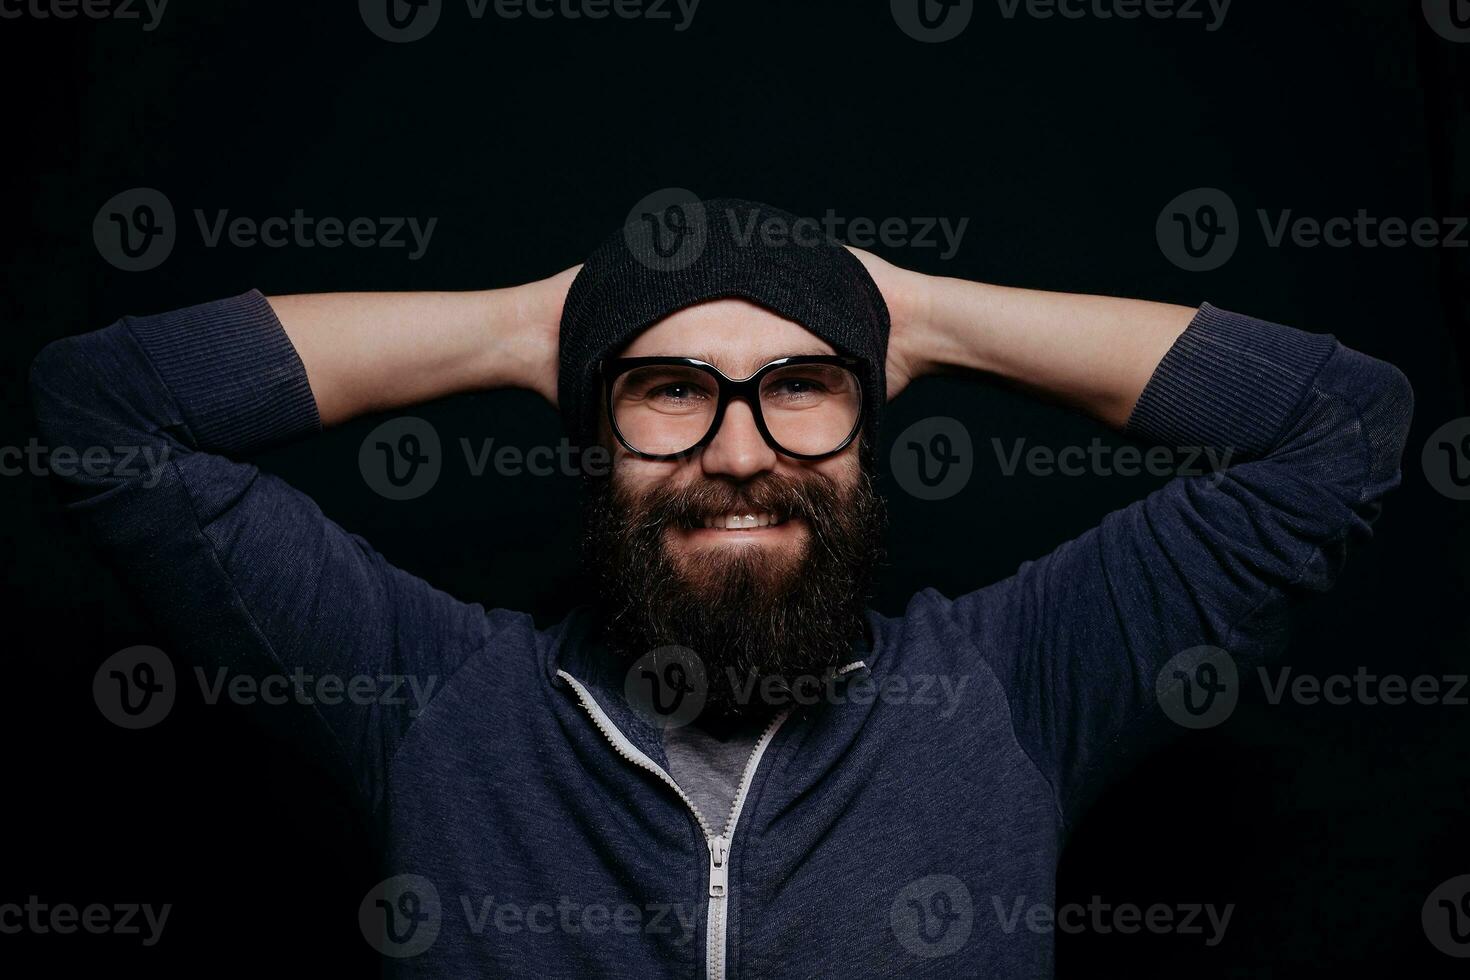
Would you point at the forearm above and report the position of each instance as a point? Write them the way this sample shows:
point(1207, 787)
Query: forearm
point(366, 352)
point(1093, 352)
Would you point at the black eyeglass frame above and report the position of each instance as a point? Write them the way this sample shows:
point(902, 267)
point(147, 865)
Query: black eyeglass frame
point(746, 389)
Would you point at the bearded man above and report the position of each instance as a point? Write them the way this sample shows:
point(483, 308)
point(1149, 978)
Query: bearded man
point(715, 765)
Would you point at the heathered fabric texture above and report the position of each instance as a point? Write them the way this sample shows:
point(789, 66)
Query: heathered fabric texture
point(503, 791)
point(730, 248)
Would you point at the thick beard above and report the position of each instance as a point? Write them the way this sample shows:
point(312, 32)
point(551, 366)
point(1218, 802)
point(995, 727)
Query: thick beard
point(761, 624)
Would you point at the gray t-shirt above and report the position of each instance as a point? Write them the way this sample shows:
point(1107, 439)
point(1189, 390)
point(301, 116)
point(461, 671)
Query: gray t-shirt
point(708, 766)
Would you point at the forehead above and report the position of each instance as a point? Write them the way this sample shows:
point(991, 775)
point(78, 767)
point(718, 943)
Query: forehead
point(734, 335)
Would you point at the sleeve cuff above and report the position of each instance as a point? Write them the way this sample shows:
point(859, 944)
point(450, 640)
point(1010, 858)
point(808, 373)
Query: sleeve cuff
point(1229, 381)
point(233, 371)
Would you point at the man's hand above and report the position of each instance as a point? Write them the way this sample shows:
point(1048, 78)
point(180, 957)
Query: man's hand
point(907, 297)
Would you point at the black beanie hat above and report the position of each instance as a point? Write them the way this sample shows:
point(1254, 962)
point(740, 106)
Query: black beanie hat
point(670, 257)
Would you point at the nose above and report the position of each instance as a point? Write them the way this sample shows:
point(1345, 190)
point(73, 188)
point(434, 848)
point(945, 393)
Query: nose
point(738, 450)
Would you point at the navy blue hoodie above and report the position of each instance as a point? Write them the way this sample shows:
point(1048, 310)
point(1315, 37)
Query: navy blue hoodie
point(889, 829)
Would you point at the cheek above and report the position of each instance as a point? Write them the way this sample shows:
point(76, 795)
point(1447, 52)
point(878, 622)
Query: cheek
point(636, 475)
point(842, 469)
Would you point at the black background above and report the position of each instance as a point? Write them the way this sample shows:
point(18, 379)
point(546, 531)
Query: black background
point(1060, 140)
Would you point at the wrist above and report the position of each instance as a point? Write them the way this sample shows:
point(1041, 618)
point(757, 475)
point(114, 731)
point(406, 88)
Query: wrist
point(525, 322)
point(947, 323)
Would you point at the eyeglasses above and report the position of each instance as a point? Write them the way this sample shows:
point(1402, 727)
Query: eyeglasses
point(808, 406)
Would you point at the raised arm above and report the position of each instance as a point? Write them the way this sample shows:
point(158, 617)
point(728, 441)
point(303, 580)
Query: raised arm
point(1079, 639)
point(1094, 353)
point(367, 352)
point(240, 570)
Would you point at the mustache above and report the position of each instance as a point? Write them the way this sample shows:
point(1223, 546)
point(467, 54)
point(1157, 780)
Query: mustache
point(687, 506)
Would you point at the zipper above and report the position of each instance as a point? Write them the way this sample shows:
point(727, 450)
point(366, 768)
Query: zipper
point(719, 844)
point(719, 857)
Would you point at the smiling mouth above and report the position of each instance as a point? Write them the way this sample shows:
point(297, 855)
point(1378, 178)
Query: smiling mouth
point(741, 521)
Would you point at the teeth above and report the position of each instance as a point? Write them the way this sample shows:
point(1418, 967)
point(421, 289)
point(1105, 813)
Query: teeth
point(735, 522)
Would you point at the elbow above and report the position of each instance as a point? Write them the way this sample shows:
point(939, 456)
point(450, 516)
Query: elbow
point(1386, 414)
point(59, 381)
